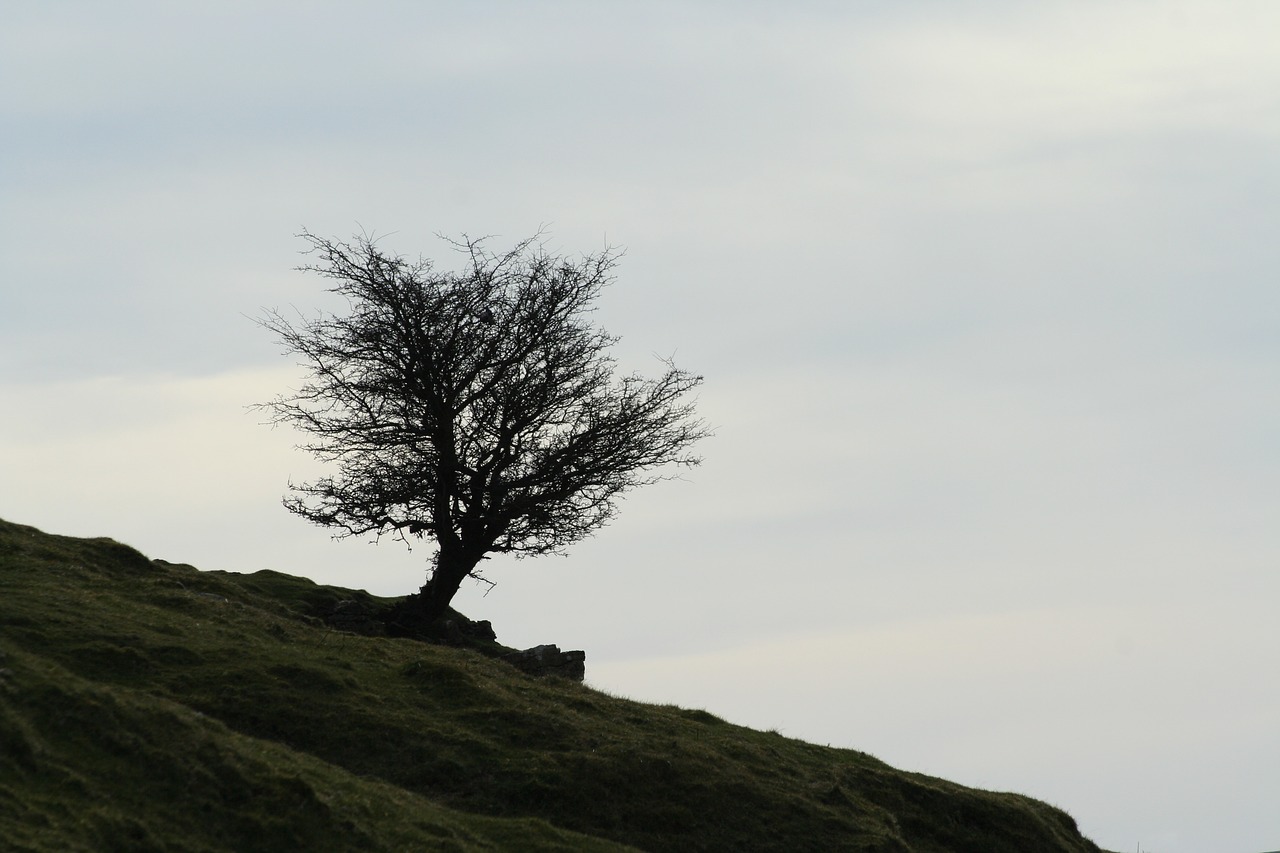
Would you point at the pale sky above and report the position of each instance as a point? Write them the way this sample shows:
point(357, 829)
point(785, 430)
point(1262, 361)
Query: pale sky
point(984, 293)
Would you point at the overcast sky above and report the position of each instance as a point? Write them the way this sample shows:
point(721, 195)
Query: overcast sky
point(985, 294)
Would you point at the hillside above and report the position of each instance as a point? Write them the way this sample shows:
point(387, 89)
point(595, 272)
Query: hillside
point(147, 705)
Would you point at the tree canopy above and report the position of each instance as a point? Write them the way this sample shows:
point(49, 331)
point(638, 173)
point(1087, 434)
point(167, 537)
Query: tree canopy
point(479, 408)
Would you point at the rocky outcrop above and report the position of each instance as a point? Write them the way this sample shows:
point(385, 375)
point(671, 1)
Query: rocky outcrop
point(356, 617)
point(549, 660)
point(460, 630)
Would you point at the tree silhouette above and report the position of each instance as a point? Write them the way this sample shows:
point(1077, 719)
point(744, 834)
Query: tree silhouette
point(478, 408)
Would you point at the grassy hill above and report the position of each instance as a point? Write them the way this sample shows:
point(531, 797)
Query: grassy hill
point(147, 705)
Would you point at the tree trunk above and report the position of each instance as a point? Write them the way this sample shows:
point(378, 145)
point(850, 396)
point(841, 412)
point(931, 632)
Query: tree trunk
point(452, 567)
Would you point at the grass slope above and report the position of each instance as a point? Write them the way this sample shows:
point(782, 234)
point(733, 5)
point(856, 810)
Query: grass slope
point(146, 705)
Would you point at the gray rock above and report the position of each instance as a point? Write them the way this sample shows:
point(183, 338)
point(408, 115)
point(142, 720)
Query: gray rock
point(353, 616)
point(549, 660)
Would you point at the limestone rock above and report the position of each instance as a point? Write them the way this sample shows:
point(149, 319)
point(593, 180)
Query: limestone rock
point(549, 660)
point(351, 615)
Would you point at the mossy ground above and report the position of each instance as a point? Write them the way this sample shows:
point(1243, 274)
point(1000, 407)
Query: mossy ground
point(150, 706)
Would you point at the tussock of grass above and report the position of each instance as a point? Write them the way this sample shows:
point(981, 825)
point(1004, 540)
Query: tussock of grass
point(151, 706)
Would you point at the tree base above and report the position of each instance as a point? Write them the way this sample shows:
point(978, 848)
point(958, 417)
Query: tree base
point(406, 618)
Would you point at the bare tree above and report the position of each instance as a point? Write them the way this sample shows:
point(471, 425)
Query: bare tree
point(479, 408)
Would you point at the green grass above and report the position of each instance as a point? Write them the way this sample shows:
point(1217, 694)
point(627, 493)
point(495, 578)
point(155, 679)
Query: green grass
point(151, 706)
